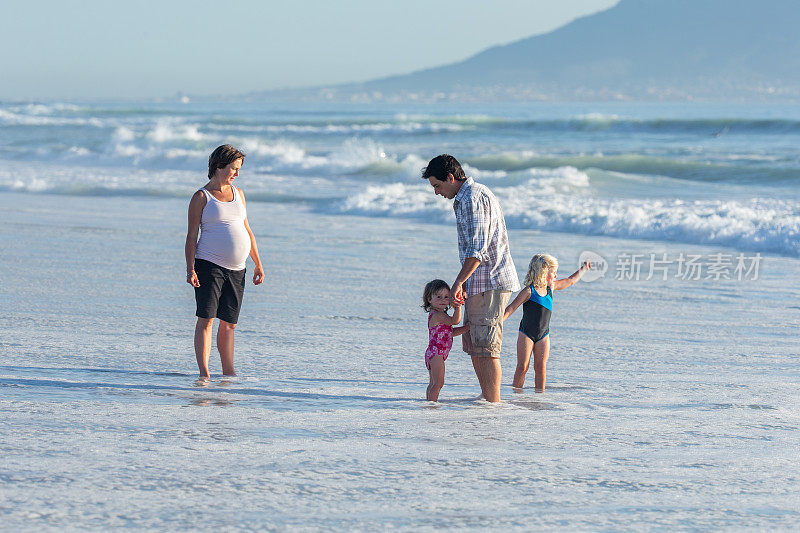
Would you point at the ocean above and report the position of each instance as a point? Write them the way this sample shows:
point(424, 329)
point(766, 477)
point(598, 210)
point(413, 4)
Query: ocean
point(672, 399)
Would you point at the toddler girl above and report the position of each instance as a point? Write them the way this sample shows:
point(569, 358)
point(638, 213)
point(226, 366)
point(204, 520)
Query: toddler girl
point(436, 300)
point(537, 304)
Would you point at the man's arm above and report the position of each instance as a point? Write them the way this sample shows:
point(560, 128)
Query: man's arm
point(475, 217)
point(457, 295)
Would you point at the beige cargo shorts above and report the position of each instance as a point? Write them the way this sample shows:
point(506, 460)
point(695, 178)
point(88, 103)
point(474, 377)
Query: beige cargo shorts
point(484, 313)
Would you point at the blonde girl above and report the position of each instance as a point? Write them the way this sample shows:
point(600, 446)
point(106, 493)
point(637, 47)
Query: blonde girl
point(537, 305)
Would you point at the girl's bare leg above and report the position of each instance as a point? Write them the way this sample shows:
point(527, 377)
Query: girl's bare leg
point(541, 351)
point(225, 347)
point(524, 349)
point(202, 344)
point(437, 378)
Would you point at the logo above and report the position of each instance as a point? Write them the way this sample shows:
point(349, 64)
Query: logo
point(599, 266)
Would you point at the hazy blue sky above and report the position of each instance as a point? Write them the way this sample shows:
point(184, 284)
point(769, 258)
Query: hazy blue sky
point(146, 48)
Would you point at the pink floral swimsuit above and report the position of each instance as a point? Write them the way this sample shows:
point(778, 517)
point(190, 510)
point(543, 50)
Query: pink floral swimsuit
point(440, 340)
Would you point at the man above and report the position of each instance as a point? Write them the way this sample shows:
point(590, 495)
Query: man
point(487, 276)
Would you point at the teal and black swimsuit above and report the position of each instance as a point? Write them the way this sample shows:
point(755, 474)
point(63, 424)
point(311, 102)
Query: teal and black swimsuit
point(536, 312)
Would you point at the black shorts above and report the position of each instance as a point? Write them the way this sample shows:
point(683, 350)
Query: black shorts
point(220, 292)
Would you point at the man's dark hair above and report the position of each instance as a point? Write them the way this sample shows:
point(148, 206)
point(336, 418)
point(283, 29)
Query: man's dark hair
point(442, 165)
point(221, 157)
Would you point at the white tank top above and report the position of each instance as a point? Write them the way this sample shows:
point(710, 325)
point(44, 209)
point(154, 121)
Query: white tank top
point(223, 238)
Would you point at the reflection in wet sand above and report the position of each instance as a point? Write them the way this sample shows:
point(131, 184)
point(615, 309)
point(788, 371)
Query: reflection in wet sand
point(211, 401)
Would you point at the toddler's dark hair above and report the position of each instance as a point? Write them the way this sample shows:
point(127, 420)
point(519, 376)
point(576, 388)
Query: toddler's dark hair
point(431, 288)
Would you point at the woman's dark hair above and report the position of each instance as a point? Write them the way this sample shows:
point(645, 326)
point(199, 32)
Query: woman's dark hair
point(431, 288)
point(442, 165)
point(221, 157)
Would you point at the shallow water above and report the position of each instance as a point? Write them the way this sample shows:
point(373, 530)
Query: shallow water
point(670, 404)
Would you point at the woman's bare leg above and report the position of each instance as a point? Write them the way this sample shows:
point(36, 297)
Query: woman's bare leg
point(541, 351)
point(524, 349)
point(437, 378)
point(202, 344)
point(225, 347)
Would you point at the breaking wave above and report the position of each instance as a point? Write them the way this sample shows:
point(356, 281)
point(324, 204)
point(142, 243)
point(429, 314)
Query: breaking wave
point(563, 200)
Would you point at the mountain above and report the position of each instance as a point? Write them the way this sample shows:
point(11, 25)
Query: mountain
point(652, 49)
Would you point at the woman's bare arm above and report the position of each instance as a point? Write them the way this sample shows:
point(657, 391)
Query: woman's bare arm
point(258, 275)
point(196, 205)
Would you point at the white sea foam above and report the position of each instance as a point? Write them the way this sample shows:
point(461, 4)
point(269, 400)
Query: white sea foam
point(123, 134)
point(603, 186)
point(458, 120)
point(361, 129)
point(48, 109)
point(564, 200)
point(355, 156)
point(600, 118)
point(10, 118)
point(374, 183)
point(185, 146)
point(166, 131)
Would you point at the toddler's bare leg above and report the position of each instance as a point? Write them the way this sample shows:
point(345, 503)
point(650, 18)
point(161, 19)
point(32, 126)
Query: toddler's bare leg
point(436, 378)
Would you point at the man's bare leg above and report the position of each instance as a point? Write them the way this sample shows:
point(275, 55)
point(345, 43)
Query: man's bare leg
point(478, 372)
point(489, 375)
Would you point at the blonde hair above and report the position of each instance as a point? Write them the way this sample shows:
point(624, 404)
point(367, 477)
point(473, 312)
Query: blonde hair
point(540, 265)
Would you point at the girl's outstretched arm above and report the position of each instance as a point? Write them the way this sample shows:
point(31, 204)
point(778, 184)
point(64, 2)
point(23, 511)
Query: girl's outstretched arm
point(460, 329)
point(523, 295)
point(572, 279)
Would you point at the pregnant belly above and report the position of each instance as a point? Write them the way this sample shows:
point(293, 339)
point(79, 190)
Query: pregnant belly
point(240, 245)
point(227, 246)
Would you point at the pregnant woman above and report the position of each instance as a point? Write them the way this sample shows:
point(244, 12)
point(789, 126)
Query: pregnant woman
point(215, 264)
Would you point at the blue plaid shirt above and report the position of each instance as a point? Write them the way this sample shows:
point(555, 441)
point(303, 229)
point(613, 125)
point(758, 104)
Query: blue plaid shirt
point(482, 234)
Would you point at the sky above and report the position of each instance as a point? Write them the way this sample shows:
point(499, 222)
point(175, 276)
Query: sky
point(146, 49)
